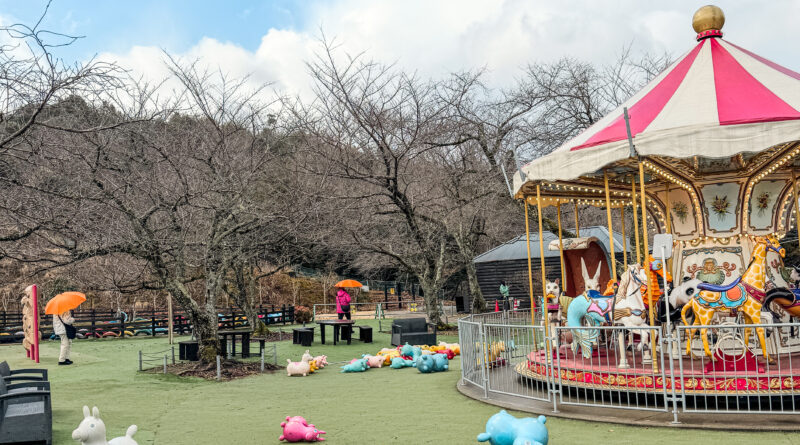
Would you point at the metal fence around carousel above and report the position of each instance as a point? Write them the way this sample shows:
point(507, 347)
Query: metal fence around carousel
point(505, 355)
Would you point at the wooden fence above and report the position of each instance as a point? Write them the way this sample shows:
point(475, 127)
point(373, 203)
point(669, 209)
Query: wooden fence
point(102, 323)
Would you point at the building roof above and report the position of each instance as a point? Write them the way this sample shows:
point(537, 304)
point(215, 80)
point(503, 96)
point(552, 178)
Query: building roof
point(515, 249)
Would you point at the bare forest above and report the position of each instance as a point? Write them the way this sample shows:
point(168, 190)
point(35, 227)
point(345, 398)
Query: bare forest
point(208, 192)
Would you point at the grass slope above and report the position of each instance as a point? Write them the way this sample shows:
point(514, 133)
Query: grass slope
point(376, 407)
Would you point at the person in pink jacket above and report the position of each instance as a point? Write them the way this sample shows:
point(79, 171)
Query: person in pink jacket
point(343, 304)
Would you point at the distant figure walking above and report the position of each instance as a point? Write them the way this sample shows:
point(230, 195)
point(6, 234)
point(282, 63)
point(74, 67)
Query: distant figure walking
point(343, 304)
point(504, 295)
point(62, 326)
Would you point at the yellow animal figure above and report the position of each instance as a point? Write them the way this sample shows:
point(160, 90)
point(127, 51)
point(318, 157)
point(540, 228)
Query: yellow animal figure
point(388, 355)
point(743, 295)
point(491, 351)
point(312, 366)
point(451, 346)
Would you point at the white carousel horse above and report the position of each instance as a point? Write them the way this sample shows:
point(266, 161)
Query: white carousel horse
point(591, 283)
point(629, 308)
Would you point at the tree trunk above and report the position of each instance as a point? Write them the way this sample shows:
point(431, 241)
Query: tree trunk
point(478, 302)
point(431, 291)
point(205, 328)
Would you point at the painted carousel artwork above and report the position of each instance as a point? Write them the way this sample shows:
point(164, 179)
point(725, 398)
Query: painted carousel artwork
point(707, 152)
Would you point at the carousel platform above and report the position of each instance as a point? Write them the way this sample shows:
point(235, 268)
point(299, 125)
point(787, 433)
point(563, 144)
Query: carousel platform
point(748, 375)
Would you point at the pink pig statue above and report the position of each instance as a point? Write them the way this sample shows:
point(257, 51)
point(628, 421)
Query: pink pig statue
point(375, 361)
point(296, 429)
point(321, 361)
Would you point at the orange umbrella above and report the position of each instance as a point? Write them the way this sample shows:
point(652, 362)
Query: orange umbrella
point(64, 302)
point(348, 283)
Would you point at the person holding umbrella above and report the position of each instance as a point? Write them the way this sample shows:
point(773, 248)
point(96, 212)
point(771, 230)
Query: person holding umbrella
point(343, 298)
point(60, 307)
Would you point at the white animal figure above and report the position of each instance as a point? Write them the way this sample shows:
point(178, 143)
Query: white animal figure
point(592, 283)
point(92, 431)
point(553, 289)
point(303, 367)
point(629, 309)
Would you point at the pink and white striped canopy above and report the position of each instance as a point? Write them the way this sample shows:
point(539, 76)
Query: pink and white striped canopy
point(716, 101)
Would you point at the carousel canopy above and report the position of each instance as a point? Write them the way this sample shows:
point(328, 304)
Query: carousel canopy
point(715, 101)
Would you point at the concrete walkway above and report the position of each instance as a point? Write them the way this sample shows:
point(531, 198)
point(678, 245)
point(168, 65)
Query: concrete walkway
point(633, 417)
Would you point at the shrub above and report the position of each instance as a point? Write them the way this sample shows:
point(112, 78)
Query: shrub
point(302, 314)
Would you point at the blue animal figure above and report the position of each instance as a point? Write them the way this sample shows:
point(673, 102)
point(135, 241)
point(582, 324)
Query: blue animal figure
point(399, 362)
point(425, 364)
point(591, 306)
point(440, 362)
point(411, 351)
point(505, 429)
point(359, 365)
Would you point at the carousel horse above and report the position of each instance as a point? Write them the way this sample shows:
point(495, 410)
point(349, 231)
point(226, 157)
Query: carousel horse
point(593, 308)
point(629, 309)
point(744, 295)
point(788, 299)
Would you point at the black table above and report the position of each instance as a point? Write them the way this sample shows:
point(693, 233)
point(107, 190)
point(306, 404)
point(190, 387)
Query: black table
point(245, 335)
point(346, 324)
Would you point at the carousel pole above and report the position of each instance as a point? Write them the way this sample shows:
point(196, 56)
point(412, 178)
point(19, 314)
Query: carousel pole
point(541, 257)
point(650, 307)
point(669, 230)
point(577, 226)
point(610, 229)
point(795, 196)
point(624, 237)
point(561, 248)
point(530, 268)
point(635, 219)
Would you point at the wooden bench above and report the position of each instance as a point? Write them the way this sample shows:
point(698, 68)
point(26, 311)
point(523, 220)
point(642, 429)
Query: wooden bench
point(26, 415)
point(364, 333)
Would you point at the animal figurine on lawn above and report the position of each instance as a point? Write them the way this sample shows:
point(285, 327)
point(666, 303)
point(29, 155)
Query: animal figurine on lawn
point(303, 367)
point(400, 362)
point(359, 365)
point(451, 346)
point(297, 429)
point(447, 353)
point(440, 363)
point(491, 353)
point(744, 294)
point(312, 366)
point(411, 351)
point(320, 361)
point(425, 364)
point(92, 431)
point(389, 356)
point(374, 361)
point(505, 429)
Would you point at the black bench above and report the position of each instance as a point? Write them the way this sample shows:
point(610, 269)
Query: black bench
point(364, 333)
point(303, 336)
point(26, 415)
point(413, 331)
point(9, 375)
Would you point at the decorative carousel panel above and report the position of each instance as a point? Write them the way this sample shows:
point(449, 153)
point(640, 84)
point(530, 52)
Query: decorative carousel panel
point(721, 205)
point(763, 202)
point(712, 264)
point(684, 222)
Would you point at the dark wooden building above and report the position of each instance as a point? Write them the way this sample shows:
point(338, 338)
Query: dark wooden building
point(509, 262)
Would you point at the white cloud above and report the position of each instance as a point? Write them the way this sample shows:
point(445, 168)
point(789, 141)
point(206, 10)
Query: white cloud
point(434, 38)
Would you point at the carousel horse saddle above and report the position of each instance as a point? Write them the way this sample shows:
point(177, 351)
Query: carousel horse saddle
point(719, 287)
point(601, 304)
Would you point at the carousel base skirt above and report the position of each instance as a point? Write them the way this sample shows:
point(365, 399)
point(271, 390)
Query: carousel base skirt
point(747, 376)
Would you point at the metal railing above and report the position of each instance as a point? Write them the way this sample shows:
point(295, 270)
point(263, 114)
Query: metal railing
point(505, 355)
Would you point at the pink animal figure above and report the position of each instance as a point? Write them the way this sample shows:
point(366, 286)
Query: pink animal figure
point(296, 429)
point(375, 361)
point(303, 367)
point(92, 431)
point(321, 361)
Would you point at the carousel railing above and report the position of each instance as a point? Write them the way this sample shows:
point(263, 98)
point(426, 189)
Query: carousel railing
point(506, 356)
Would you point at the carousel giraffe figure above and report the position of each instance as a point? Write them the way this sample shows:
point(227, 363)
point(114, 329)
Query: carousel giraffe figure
point(744, 294)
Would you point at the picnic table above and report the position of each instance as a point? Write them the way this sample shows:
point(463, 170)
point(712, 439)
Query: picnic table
point(337, 324)
point(233, 333)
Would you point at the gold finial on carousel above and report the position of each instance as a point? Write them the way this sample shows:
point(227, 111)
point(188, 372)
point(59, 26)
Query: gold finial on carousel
point(708, 22)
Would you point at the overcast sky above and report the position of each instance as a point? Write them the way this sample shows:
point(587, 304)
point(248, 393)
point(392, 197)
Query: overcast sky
point(272, 39)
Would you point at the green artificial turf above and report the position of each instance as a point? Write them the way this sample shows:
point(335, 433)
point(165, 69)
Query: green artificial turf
point(375, 407)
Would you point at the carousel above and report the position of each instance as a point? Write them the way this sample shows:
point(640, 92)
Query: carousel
point(708, 153)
